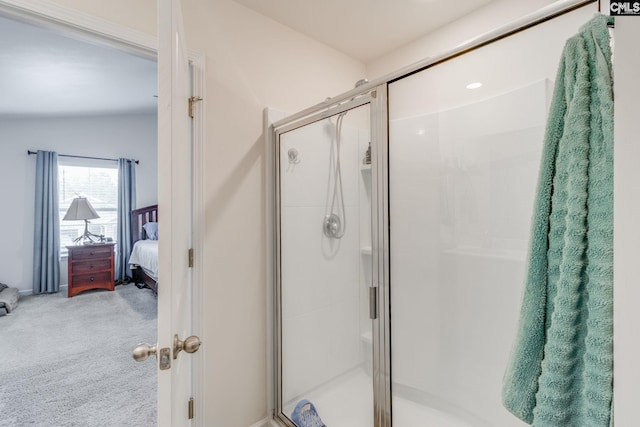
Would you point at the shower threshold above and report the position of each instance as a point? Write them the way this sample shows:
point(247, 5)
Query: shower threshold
point(347, 401)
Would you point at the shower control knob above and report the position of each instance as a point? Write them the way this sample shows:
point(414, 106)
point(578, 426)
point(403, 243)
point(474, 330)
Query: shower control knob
point(293, 154)
point(332, 226)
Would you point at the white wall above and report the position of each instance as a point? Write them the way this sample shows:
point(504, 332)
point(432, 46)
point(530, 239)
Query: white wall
point(626, 212)
point(132, 136)
point(252, 62)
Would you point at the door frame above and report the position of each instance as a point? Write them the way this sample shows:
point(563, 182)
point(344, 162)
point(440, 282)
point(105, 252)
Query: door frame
point(91, 28)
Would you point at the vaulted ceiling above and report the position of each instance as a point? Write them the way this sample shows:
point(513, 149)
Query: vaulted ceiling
point(43, 72)
point(46, 72)
point(364, 29)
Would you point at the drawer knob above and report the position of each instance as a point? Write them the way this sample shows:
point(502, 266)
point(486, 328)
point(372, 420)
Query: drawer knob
point(92, 278)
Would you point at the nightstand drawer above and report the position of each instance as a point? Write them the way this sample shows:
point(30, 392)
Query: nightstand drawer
point(93, 251)
point(81, 280)
point(90, 266)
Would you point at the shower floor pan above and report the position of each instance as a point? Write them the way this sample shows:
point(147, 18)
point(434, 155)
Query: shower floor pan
point(347, 402)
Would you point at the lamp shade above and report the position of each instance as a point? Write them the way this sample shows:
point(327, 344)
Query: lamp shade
point(80, 209)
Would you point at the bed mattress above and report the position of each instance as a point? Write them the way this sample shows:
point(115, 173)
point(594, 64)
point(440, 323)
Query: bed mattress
point(145, 256)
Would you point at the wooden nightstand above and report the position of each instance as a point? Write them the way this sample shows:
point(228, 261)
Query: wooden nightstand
point(91, 267)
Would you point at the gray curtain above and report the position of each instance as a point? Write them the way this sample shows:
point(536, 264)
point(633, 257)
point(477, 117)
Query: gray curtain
point(126, 203)
point(46, 245)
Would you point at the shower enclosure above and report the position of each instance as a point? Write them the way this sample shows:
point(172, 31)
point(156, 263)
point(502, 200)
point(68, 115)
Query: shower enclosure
point(406, 315)
point(324, 205)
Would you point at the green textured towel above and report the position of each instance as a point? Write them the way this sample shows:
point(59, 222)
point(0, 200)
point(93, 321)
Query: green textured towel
point(561, 368)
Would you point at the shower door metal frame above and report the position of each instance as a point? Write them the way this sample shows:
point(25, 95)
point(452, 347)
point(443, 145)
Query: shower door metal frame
point(376, 97)
point(380, 257)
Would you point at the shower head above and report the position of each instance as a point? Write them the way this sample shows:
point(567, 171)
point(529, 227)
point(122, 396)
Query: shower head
point(360, 83)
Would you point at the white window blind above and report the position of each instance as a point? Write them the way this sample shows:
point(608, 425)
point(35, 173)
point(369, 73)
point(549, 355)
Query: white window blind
point(98, 182)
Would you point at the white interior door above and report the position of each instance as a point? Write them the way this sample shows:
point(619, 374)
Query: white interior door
point(174, 200)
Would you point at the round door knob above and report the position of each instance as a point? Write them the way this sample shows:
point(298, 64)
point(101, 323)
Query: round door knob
point(143, 351)
point(189, 345)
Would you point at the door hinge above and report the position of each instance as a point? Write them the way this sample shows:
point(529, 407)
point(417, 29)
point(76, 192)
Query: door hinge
point(192, 105)
point(373, 302)
point(191, 408)
point(190, 257)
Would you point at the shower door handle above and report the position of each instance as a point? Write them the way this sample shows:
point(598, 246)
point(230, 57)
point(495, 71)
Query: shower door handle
point(373, 302)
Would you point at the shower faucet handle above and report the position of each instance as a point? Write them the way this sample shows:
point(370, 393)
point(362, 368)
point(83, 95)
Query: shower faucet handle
point(332, 226)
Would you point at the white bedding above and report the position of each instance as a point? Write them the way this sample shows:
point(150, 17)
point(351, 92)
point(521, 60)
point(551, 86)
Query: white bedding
point(145, 255)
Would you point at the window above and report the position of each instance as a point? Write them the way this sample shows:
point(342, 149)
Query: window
point(98, 182)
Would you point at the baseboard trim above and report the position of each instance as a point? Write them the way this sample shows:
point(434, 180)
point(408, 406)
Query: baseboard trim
point(25, 292)
point(267, 422)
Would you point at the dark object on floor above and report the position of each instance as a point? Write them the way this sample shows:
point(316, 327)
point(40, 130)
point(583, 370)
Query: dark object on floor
point(8, 299)
point(126, 281)
point(305, 415)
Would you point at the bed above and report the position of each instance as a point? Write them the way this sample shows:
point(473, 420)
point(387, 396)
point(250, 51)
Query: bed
point(144, 254)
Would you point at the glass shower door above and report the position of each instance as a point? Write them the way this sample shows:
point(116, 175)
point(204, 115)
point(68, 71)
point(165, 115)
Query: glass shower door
point(463, 168)
point(324, 271)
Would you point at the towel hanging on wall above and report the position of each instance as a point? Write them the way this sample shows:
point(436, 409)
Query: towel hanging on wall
point(561, 368)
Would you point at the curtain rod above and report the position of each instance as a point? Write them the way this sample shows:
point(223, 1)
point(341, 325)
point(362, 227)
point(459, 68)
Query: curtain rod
point(83, 157)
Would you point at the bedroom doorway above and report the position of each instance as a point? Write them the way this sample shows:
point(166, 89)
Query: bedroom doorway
point(105, 33)
point(92, 321)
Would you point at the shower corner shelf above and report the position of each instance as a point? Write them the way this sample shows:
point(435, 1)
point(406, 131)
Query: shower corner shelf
point(365, 250)
point(365, 168)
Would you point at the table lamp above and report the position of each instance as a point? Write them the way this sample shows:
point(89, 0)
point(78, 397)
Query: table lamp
point(81, 209)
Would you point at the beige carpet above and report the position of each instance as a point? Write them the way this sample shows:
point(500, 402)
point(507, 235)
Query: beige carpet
point(67, 361)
